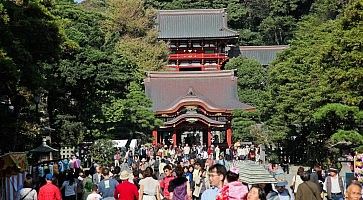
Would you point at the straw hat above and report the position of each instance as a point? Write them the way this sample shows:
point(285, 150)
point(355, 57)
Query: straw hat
point(124, 175)
point(333, 169)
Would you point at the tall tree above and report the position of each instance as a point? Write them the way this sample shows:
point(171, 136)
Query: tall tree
point(252, 80)
point(107, 45)
point(138, 43)
point(132, 115)
point(322, 66)
point(89, 74)
point(29, 37)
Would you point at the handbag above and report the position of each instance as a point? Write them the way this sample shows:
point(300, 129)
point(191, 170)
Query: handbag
point(292, 187)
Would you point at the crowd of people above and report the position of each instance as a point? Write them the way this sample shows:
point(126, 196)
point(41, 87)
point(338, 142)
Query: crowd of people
point(188, 173)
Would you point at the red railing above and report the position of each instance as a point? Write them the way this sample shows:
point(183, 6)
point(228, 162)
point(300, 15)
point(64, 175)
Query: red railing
point(189, 56)
point(202, 67)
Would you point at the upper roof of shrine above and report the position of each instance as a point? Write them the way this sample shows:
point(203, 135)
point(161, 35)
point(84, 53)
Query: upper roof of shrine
point(193, 24)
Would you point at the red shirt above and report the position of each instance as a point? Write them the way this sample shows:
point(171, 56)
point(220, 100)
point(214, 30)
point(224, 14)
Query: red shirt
point(126, 191)
point(209, 151)
point(164, 183)
point(49, 192)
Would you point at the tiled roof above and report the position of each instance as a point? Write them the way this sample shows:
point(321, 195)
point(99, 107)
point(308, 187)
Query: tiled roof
point(195, 23)
point(217, 89)
point(263, 54)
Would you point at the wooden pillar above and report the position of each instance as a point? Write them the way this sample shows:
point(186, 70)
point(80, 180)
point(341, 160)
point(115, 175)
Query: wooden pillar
point(209, 137)
point(174, 138)
point(229, 136)
point(155, 137)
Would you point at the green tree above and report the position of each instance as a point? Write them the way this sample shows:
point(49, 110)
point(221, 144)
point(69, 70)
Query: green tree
point(71, 132)
point(68, 55)
point(338, 122)
point(29, 37)
point(131, 116)
point(252, 80)
point(352, 137)
point(250, 38)
point(277, 30)
point(138, 43)
point(88, 74)
point(321, 67)
point(102, 151)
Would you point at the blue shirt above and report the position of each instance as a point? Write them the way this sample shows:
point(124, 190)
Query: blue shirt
point(107, 187)
point(210, 193)
point(189, 176)
point(285, 195)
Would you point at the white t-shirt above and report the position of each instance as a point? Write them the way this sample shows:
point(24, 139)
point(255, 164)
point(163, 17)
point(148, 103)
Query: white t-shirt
point(205, 155)
point(94, 196)
point(335, 188)
point(161, 167)
point(239, 152)
point(186, 150)
point(150, 185)
point(69, 190)
point(297, 181)
point(27, 194)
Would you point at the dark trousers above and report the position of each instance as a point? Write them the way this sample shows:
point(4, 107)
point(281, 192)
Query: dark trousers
point(337, 196)
point(73, 197)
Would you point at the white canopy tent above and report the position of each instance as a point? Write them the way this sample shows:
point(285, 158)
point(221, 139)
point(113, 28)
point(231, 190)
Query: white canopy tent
point(122, 143)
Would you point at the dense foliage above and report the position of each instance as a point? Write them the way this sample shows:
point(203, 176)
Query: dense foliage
point(29, 37)
point(65, 65)
point(312, 94)
point(315, 87)
point(252, 79)
point(102, 151)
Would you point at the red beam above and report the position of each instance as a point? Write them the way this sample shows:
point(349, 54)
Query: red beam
point(229, 137)
point(155, 137)
point(190, 56)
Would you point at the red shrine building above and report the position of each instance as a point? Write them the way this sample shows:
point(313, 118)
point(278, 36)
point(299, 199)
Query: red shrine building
point(194, 97)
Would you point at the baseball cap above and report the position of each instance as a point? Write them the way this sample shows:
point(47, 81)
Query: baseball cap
point(48, 177)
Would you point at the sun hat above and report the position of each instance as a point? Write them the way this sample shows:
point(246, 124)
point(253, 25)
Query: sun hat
point(124, 175)
point(333, 169)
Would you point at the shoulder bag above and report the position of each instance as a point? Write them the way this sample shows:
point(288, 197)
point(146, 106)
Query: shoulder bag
point(294, 184)
point(26, 194)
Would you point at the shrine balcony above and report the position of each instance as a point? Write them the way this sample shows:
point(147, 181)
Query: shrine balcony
point(194, 67)
point(191, 56)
